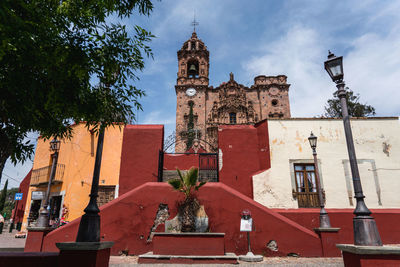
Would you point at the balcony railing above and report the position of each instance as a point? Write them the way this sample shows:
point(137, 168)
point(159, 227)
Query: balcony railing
point(41, 176)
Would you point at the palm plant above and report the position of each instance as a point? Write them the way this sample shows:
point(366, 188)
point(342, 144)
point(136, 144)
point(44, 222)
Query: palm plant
point(187, 184)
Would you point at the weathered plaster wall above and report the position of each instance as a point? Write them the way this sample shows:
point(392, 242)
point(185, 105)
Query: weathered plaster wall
point(377, 145)
point(76, 154)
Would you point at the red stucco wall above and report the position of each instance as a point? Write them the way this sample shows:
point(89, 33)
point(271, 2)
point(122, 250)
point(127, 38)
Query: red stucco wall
point(181, 161)
point(19, 208)
point(245, 151)
point(127, 221)
point(386, 220)
point(263, 145)
point(139, 156)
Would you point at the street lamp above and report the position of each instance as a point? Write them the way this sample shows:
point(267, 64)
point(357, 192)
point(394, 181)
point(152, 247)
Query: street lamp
point(89, 226)
point(364, 226)
point(324, 221)
point(43, 220)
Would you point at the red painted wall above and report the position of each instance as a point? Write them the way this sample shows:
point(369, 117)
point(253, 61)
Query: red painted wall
point(127, 221)
point(245, 151)
point(139, 156)
point(263, 145)
point(19, 208)
point(386, 220)
point(181, 161)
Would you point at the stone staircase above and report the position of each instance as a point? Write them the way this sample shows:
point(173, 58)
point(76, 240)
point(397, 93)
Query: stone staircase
point(188, 248)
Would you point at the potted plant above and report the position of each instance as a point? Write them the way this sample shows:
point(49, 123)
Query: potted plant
point(187, 184)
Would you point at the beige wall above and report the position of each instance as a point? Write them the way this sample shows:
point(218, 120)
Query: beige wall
point(377, 144)
point(76, 154)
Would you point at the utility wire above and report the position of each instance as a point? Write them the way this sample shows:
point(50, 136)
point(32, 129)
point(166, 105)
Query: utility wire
point(11, 177)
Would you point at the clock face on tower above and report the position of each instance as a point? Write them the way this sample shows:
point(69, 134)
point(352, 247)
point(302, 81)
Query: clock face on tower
point(190, 92)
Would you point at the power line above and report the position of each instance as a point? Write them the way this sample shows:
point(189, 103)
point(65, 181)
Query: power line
point(11, 177)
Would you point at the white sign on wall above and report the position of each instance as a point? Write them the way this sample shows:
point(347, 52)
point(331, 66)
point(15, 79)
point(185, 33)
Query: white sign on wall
point(246, 225)
point(37, 195)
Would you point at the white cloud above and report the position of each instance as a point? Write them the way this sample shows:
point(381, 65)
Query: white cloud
point(160, 117)
point(372, 68)
point(299, 54)
point(371, 61)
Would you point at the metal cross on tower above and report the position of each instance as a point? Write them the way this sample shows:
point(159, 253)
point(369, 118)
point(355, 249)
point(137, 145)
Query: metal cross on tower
point(194, 23)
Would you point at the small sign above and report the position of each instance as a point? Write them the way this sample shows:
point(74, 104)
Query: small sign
point(246, 225)
point(37, 195)
point(18, 196)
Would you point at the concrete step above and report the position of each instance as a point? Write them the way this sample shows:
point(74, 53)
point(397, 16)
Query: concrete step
point(184, 244)
point(149, 257)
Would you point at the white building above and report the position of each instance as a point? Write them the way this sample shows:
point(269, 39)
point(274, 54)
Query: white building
point(377, 144)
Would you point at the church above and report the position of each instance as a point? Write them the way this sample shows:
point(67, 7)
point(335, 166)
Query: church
point(201, 108)
point(263, 163)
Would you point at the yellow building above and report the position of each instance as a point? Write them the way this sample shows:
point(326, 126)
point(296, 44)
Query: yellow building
point(72, 182)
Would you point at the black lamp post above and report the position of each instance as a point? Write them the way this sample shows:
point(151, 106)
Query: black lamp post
point(324, 221)
point(43, 220)
point(89, 227)
point(364, 226)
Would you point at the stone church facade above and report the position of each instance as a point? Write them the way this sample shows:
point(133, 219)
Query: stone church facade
point(201, 108)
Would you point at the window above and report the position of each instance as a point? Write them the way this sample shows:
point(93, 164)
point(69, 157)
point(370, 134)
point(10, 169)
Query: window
point(105, 194)
point(306, 186)
point(232, 118)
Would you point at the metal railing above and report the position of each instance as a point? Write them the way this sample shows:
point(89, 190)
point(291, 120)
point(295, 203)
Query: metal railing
point(41, 176)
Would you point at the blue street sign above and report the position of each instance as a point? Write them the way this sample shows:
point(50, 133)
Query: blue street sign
point(18, 196)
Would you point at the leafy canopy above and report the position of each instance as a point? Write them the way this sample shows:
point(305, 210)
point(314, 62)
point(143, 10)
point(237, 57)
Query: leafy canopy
point(3, 196)
point(64, 61)
point(187, 183)
point(356, 109)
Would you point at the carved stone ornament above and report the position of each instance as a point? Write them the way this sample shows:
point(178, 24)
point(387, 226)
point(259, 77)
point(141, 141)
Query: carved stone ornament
point(273, 91)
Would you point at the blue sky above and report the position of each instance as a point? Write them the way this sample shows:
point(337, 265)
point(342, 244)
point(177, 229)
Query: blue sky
point(251, 38)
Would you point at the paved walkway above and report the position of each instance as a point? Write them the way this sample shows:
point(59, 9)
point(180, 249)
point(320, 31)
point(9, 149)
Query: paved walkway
point(130, 261)
point(9, 242)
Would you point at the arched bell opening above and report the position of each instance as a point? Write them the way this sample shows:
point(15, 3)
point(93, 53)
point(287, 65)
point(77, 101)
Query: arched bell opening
point(193, 69)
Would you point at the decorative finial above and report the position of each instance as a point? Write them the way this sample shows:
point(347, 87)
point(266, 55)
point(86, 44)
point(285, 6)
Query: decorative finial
point(194, 22)
point(231, 76)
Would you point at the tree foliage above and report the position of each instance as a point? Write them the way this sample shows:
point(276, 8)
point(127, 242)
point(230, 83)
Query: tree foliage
point(3, 196)
point(9, 203)
point(65, 61)
point(356, 109)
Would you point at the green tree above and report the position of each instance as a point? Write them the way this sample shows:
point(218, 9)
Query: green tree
point(10, 202)
point(187, 184)
point(356, 109)
point(65, 61)
point(3, 197)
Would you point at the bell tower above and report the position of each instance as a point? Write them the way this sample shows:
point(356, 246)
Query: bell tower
point(191, 89)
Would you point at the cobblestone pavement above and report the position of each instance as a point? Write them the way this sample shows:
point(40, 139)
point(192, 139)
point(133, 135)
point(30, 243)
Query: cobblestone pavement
point(7, 240)
point(130, 261)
